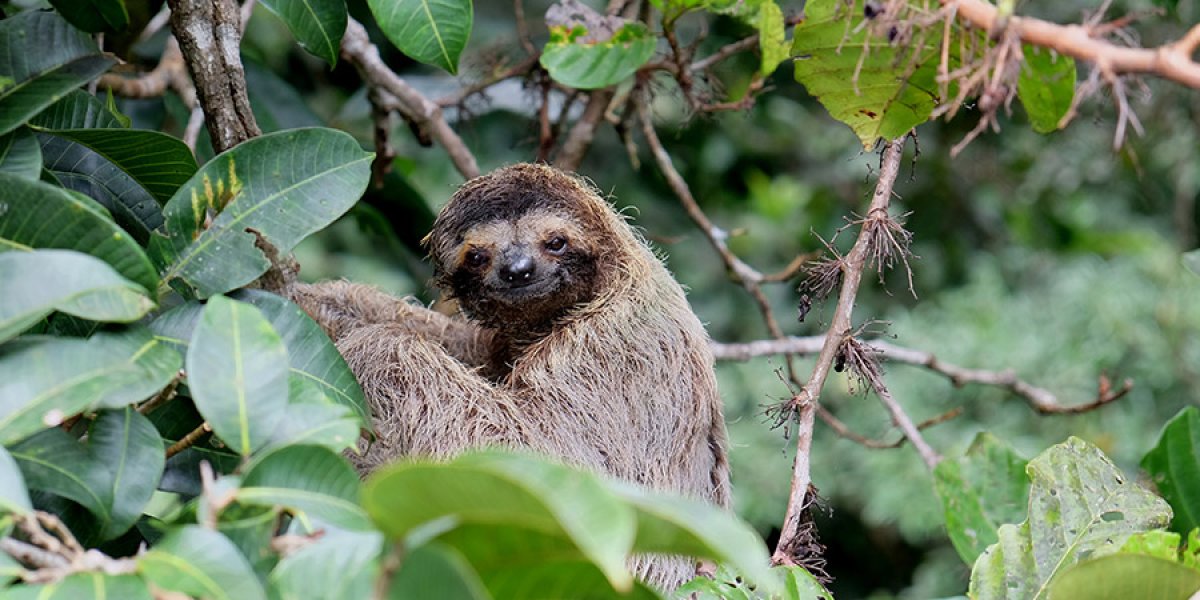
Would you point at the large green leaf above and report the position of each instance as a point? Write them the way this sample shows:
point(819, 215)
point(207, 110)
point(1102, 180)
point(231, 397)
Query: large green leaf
point(129, 171)
point(1046, 86)
point(94, 16)
point(84, 586)
point(883, 100)
point(237, 373)
point(981, 491)
point(307, 479)
point(1079, 505)
point(505, 489)
point(284, 185)
point(42, 57)
point(1125, 576)
point(341, 564)
point(14, 498)
point(40, 215)
point(20, 155)
point(573, 58)
point(1174, 466)
point(311, 354)
point(312, 418)
point(317, 24)
point(436, 571)
point(77, 110)
point(56, 462)
point(39, 282)
point(431, 31)
point(201, 563)
point(44, 381)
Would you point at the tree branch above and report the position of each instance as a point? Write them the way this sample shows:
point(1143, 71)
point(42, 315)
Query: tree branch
point(580, 138)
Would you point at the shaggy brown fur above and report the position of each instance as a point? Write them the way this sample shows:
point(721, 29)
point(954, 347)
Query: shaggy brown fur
point(597, 359)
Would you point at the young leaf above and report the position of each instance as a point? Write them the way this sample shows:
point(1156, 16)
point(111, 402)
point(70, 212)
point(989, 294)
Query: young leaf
point(1174, 466)
point(1124, 576)
point(308, 479)
point(237, 373)
point(14, 498)
point(1079, 504)
point(341, 564)
point(94, 16)
point(772, 37)
point(1046, 86)
point(431, 31)
point(979, 492)
point(317, 24)
point(202, 563)
point(42, 281)
point(40, 215)
point(284, 185)
point(42, 57)
point(20, 155)
point(577, 58)
point(80, 586)
point(45, 381)
point(128, 446)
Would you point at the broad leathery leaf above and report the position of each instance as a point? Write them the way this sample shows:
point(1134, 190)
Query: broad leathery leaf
point(312, 418)
point(507, 489)
point(14, 498)
point(20, 155)
point(77, 110)
point(431, 31)
point(84, 586)
point(311, 353)
point(237, 373)
point(39, 215)
point(126, 444)
point(317, 24)
point(436, 571)
point(44, 381)
point(883, 100)
point(339, 564)
point(675, 525)
point(1080, 505)
point(1174, 466)
point(306, 479)
point(772, 37)
point(42, 58)
point(251, 529)
point(985, 488)
point(94, 16)
point(54, 461)
point(596, 64)
point(202, 563)
point(1124, 576)
point(1046, 86)
point(285, 185)
point(39, 282)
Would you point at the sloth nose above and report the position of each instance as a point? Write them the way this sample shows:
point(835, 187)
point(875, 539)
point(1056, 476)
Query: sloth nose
point(518, 270)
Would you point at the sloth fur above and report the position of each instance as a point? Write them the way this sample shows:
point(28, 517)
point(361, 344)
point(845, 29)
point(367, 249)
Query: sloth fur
point(599, 362)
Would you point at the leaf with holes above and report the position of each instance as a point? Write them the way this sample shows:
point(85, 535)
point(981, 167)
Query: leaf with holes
point(317, 24)
point(431, 31)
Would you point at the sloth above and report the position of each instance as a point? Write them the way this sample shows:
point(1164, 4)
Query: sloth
point(572, 340)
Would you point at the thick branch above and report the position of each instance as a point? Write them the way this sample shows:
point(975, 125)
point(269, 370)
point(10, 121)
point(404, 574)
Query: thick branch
point(425, 113)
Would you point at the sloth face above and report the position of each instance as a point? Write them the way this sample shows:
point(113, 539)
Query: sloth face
point(532, 268)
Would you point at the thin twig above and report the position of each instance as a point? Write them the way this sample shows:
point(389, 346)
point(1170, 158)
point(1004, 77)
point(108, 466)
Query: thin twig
point(188, 440)
point(580, 137)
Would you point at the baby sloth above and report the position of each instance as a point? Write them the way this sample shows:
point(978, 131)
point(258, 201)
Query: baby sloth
point(574, 341)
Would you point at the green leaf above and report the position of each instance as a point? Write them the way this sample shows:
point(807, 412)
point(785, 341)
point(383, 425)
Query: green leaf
point(1124, 576)
point(879, 102)
point(42, 281)
point(129, 171)
point(56, 462)
point(341, 564)
point(10, 569)
point(311, 354)
point(728, 584)
point(84, 586)
point(772, 37)
point(436, 571)
point(45, 381)
point(505, 489)
point(1079, 505)
point(126, 444)
point(94, 16)
point(431, 31)
point(573, 58)
point(312, 418)
point(307, 479)
point(1174, 466)
point(237, 373)
point(42, 57)
point(251, 529)
point(284, 185)
point(40, 215)
point(1046, 86)
point(77, 110)
point(20, 155)
point(203, 563)
point(14, 498)
point(317, 24)
point(981, 491)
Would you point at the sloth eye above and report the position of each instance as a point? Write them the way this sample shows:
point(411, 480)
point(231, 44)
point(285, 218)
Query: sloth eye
point(556, 244)
point(476, 257)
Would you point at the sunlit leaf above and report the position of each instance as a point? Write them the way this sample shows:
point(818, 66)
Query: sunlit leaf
point(431, 31)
